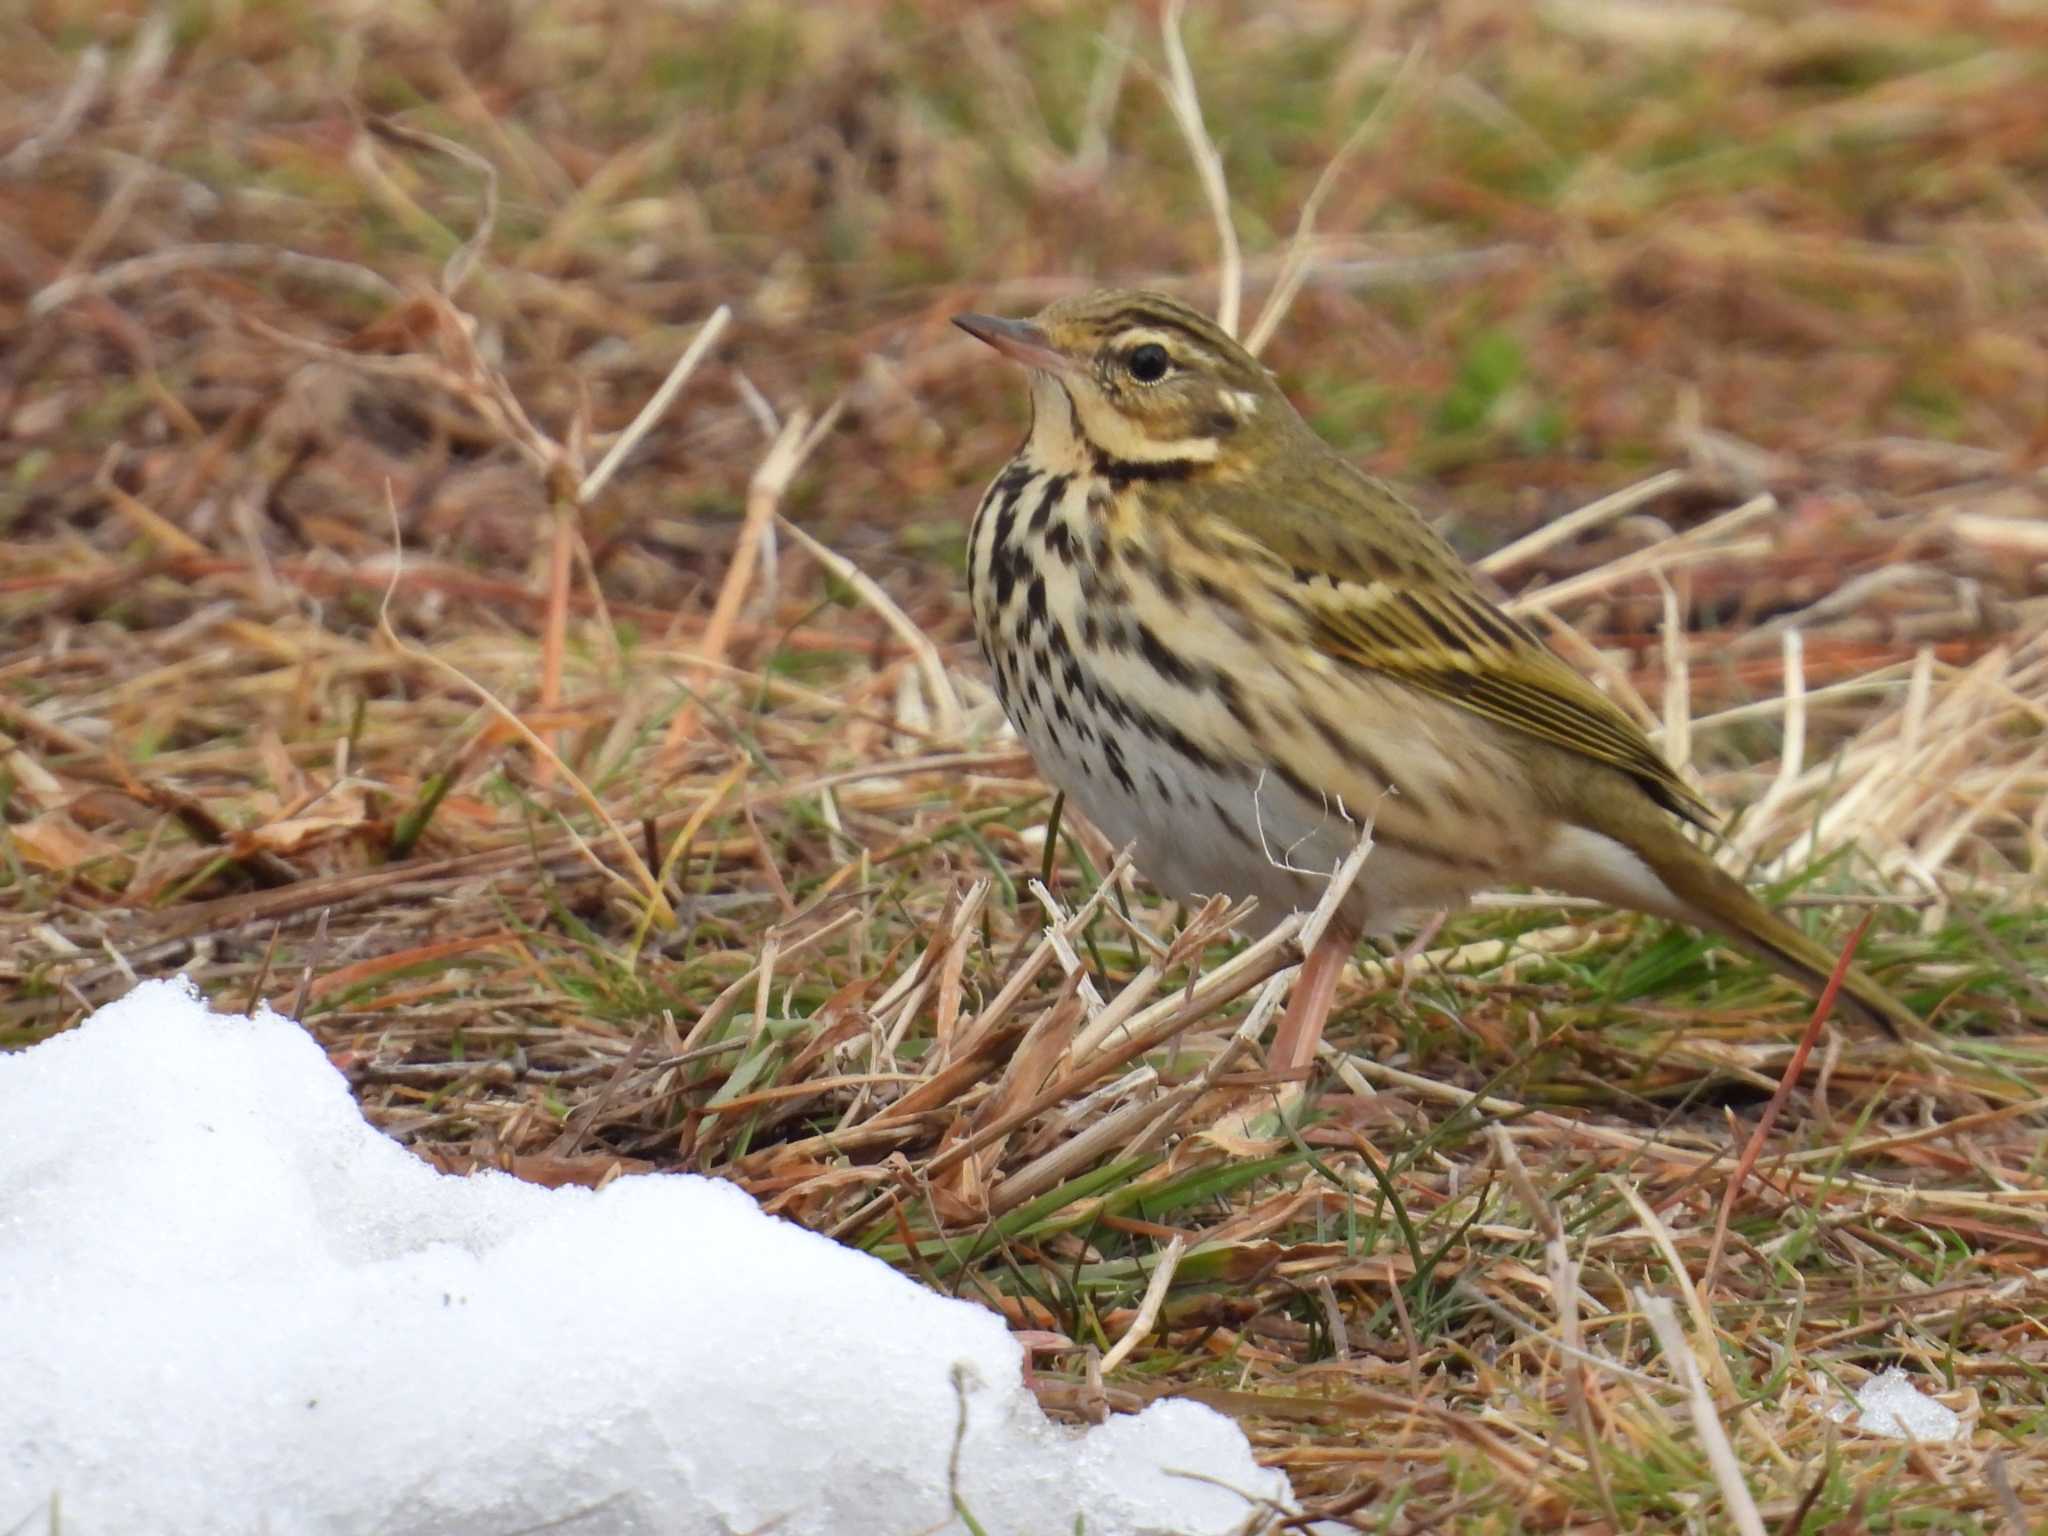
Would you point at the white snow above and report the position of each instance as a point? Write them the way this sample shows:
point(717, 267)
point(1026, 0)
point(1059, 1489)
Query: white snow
point(1889, 1404)
point(229, 1305)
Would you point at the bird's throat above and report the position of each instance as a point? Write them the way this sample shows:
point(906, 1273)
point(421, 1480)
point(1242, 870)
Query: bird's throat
point(1075, 433)
point(1055, 444)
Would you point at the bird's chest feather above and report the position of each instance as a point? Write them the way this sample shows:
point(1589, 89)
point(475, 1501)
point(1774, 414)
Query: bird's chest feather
point(1171, 701)
point(1034, 574)
point(1086, 656)
point(1107, 645)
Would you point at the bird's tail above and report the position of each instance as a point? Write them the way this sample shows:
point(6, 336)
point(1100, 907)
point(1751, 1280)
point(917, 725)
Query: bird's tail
point(1717, 900)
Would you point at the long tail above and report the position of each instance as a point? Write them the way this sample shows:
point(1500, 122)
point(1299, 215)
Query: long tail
point(1719, 901)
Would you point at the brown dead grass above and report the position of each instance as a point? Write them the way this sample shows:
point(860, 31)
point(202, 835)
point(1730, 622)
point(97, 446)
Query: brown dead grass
point(625, 828)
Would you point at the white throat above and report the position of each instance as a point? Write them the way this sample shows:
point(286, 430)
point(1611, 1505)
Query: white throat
point(1054, 444)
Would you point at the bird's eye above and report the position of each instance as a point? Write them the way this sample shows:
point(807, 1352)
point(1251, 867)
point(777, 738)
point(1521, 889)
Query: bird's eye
point(1148, 364)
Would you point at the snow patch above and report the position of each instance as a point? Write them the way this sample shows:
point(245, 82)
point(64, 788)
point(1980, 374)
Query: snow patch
point(1889, 1404)
point(232, 1306)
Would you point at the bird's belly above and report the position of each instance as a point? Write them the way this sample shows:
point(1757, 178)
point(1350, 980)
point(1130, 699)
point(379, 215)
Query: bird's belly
point(1195, 831)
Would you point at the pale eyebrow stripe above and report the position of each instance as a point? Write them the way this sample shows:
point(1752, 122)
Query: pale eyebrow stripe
point(1163, 330)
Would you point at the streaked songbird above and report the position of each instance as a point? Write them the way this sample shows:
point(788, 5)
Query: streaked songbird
point(1235, 650)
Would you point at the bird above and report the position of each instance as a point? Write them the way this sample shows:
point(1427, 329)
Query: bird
point(1236, 653)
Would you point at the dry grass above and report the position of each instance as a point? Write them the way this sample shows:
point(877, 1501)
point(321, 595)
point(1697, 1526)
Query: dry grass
point(656, 815)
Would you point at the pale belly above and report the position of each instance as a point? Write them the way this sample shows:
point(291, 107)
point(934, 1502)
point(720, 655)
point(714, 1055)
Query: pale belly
point(1195, 832)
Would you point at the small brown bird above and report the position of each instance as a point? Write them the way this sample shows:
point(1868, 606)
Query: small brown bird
point(1234, 650)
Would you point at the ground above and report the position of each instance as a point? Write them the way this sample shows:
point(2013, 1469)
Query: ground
point(654, 813)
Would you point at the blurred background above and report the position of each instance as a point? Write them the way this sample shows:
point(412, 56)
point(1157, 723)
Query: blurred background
point(333, 669)
point(1796, 247)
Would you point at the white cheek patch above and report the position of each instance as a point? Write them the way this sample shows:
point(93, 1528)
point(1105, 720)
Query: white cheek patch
point(1241, 403)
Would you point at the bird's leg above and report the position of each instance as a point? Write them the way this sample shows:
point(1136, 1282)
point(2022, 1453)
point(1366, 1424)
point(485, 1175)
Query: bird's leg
point(1412, 951)
point(1315, 989)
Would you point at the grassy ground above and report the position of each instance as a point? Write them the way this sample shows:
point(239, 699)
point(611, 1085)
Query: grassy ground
point(603, 822)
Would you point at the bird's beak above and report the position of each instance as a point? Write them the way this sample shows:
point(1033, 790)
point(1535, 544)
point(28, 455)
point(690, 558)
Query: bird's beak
point(1018, 340)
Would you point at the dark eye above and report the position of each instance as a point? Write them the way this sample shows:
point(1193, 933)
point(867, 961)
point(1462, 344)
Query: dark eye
point(1148, 364)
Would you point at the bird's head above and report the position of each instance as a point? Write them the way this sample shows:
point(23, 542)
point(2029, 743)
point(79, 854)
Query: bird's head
point(1143, 384)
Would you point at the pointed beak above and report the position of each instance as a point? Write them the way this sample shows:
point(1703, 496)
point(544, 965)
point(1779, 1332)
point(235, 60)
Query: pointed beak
point(1018, 340)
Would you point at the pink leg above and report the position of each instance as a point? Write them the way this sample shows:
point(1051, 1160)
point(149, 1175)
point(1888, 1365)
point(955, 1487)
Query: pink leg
point(1413, 949)
point(1315, 989)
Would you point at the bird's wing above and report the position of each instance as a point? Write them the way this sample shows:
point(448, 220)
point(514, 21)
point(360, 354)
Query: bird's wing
point(1403, 605)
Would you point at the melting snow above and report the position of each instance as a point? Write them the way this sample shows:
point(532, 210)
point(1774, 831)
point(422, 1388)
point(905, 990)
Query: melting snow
point(232, 1306)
